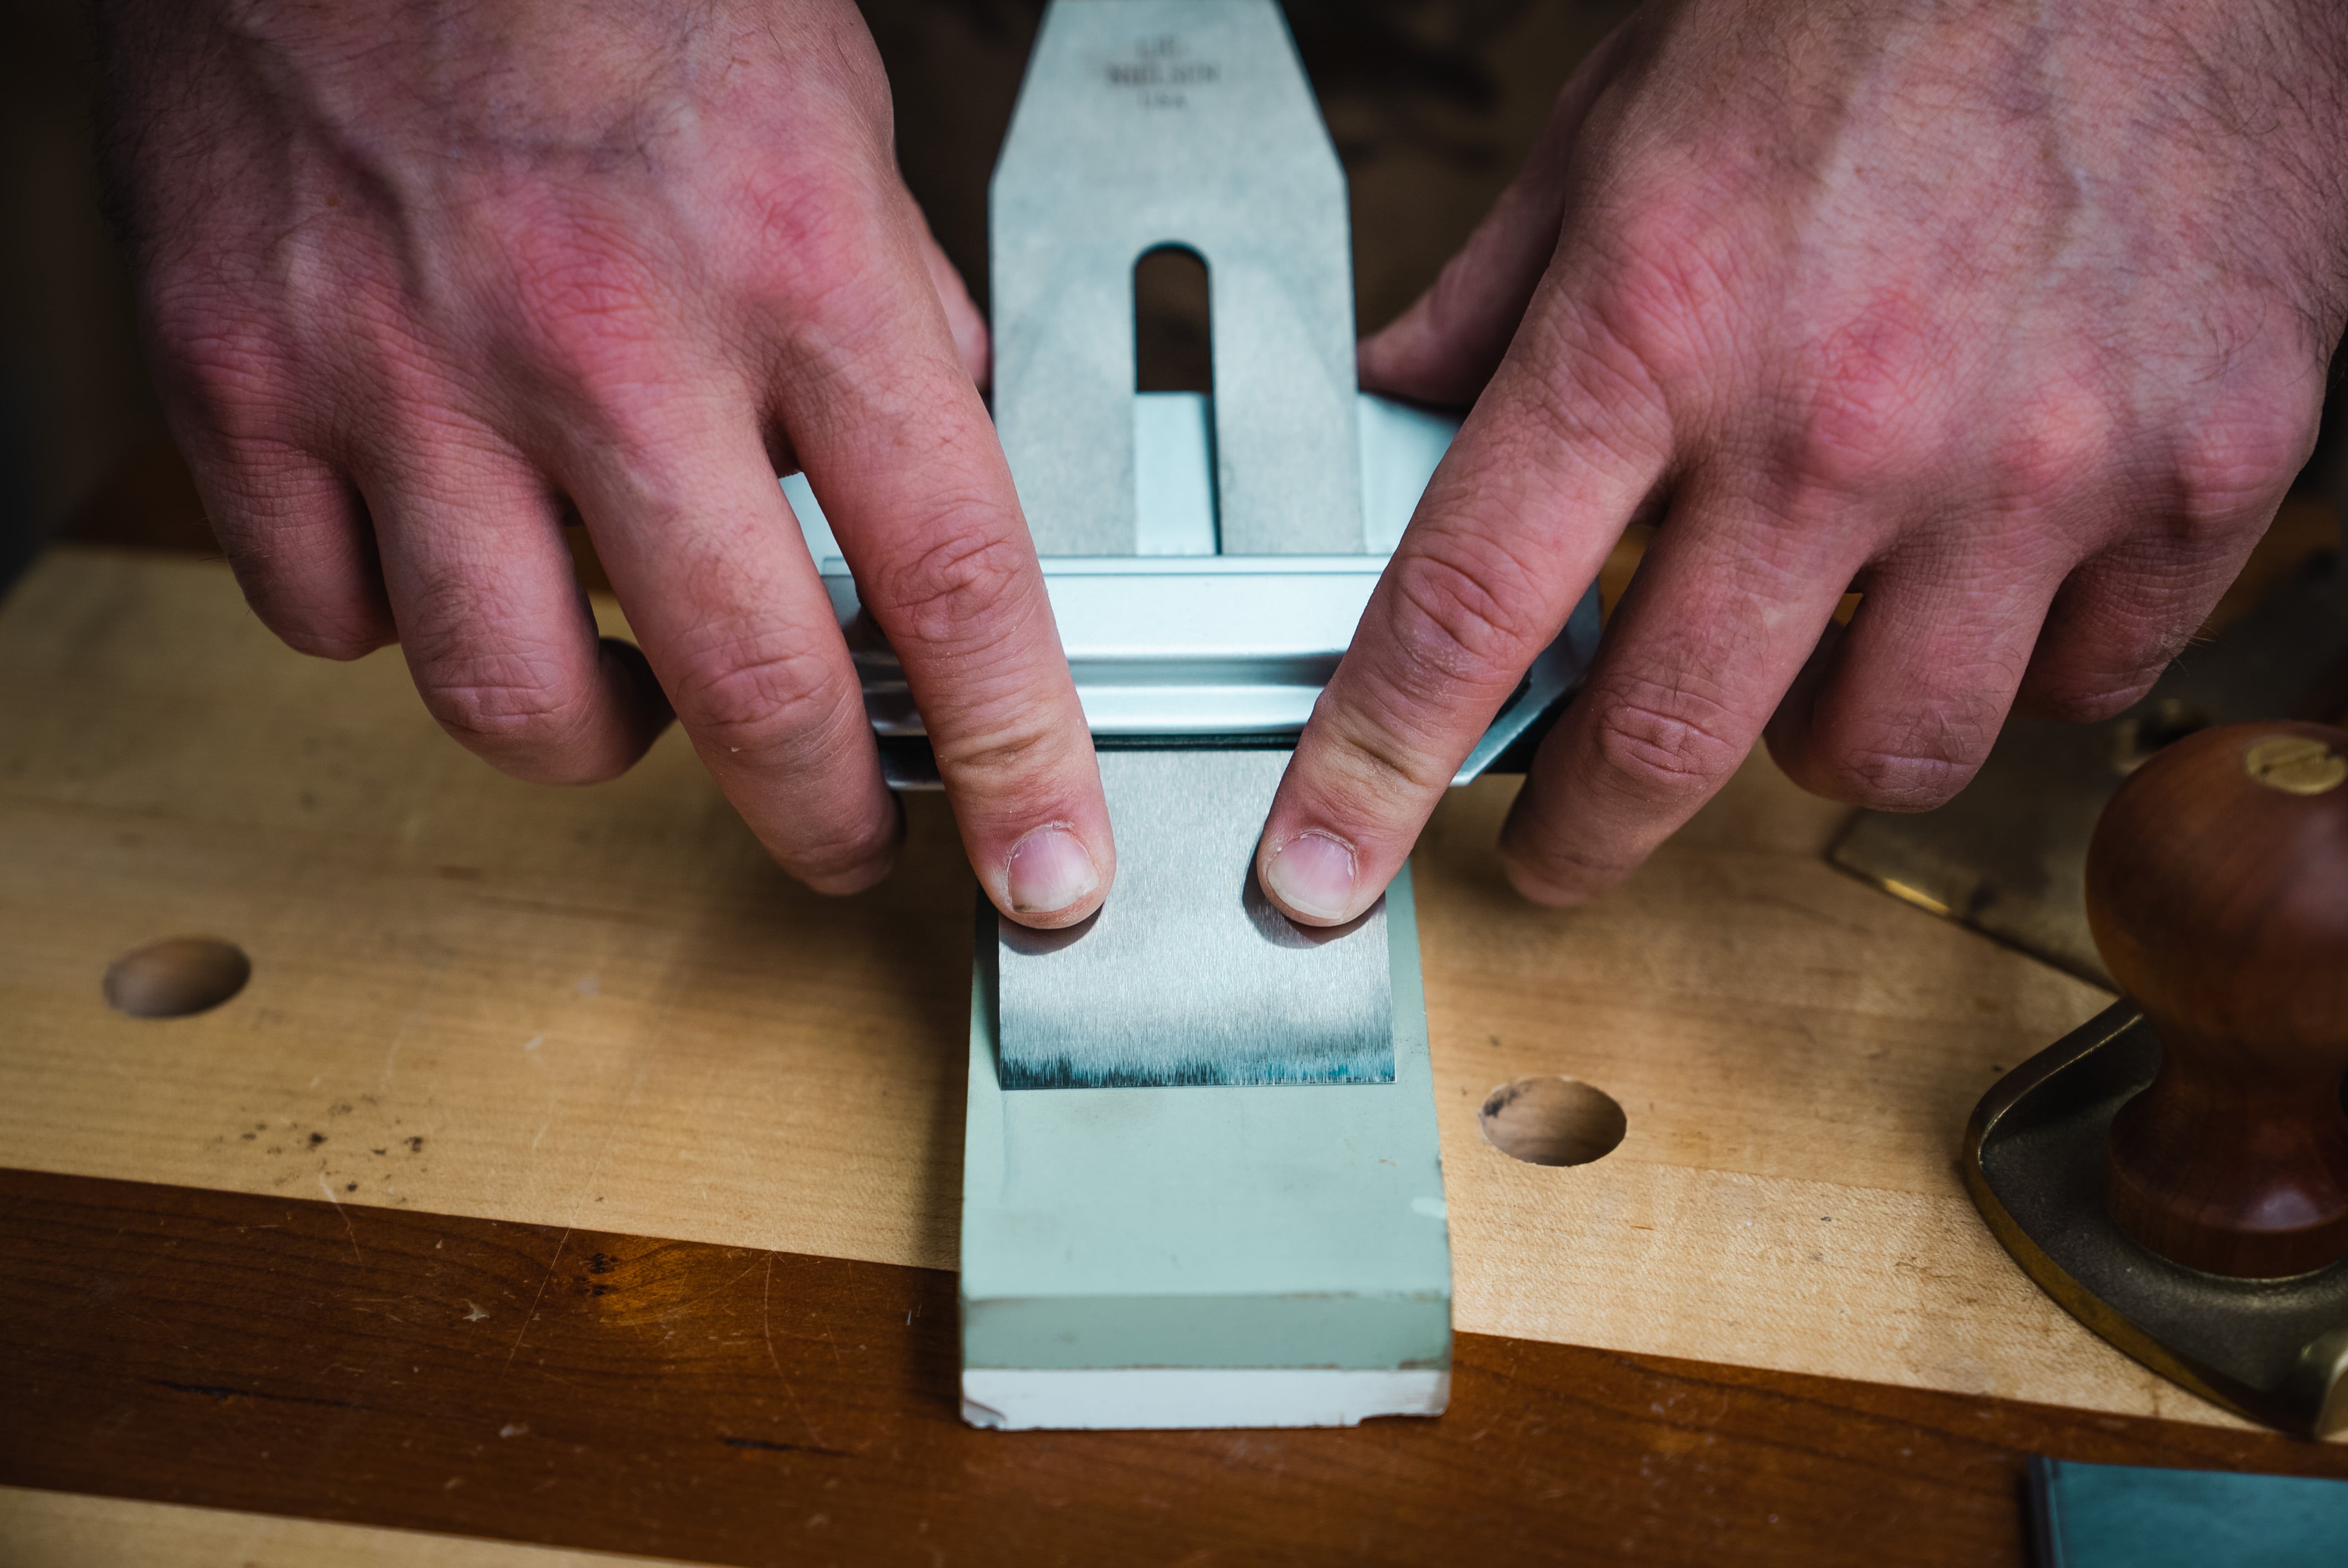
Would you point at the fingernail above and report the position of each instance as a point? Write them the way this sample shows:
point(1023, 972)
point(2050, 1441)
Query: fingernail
point(1312, 874)
point(1050, 869)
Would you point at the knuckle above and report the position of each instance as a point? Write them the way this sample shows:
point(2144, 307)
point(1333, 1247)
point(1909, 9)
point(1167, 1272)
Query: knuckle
point(819, 228)
point(999, 758)
point(230, 373)
point(1662, 292)
point(2236, 464)
point(1373, 767)
point(1465, 613)
point(2062, 447)
point(2098, 670)
point(1664, 743)
point(839, 857)
point(955, 588)
point(843, 867)
point(1889, 780)
point(769, 693)
point(1545, 871)
point(2090, 699)
point(585, 309)
point(1919, 756)
point(500, 702)
point(1862, 402)
point(339, 638)
point(499, 715)
point(1917, 742)
point(341, 623)
point(2121, 619)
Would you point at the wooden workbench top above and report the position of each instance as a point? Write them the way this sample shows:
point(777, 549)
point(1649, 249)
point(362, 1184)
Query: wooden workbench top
point(565, 1111)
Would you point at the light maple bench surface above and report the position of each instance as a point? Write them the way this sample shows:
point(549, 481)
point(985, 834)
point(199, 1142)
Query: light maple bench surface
point(604, 1011)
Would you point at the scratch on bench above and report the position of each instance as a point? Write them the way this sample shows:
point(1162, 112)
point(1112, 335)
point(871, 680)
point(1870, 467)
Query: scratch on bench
point(326, 1187)
point(553, 1104)
point(767, 1327)
point(531, 1315)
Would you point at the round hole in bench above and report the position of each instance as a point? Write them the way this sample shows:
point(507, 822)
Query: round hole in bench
point(176, 977)
point(1552, 1121)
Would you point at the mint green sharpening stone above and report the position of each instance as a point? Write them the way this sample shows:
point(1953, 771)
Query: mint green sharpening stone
point(1210, 1255)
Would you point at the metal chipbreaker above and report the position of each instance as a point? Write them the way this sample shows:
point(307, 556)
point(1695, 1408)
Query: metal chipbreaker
point(1202, 1183)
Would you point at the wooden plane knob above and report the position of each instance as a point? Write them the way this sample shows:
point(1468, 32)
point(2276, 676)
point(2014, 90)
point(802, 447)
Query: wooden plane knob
point(2217, 893)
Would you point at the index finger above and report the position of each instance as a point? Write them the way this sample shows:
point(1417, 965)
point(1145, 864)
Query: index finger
point(889, 429)
point(1564, 446)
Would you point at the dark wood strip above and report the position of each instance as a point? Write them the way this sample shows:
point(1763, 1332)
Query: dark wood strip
point(627, 1393)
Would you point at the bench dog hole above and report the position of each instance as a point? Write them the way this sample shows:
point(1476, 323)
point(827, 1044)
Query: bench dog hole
point(176, 977)
point(1552, 1121)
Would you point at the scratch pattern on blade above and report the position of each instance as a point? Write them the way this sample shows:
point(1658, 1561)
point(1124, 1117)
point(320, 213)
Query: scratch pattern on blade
point(1188, 975)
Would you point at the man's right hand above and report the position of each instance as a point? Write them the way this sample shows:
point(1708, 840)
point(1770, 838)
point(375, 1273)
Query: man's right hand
point(418, 280)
